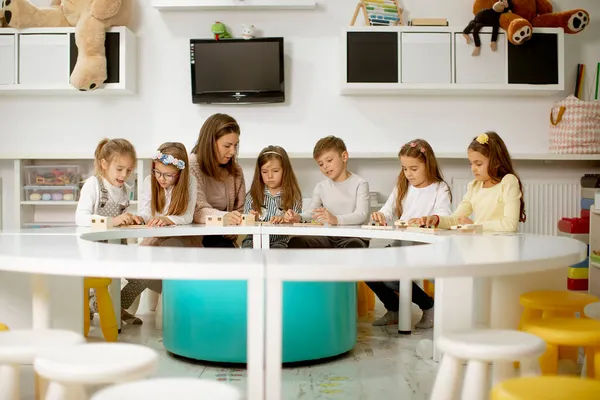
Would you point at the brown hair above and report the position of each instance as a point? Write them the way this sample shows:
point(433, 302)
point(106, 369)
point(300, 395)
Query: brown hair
point(109, 150)
point(291, 194)
point(181, 191)
point(421, 150)
point(215, 127)
point(329, 143)
point(500, 163)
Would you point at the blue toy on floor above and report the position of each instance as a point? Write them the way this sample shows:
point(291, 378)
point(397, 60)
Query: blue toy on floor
point(206, 320)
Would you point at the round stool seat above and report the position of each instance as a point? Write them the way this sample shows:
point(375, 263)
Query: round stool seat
point(170, 388)
point(98, 363)
point(547, 388)
point(491, 345)
point(556, 300)
point(566, 331)
point(592, 310)
point(22, 346)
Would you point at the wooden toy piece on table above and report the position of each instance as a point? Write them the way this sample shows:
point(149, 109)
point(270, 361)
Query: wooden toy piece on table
point(424, 229)
point(100, 223)
point(376, 225)
point(248, 219)
point(379, 12)
point(468, 228)
point(401, 224)
point(309, 223)
point(215, 220)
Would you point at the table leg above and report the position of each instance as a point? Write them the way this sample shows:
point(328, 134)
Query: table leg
point(40, 303)
point(454, 301)
point(256, 339)
point(483, 301)
point(256, 241)
point(265, 243)
point(405, 307)
point(274, 330)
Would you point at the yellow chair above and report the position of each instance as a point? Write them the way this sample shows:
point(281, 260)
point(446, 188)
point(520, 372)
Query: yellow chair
point(365, 299)
point(567, 332)
point(108, 320)
point(547, 388)
point(429, 288)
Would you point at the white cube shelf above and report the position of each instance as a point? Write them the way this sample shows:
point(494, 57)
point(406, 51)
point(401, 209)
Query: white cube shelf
point(40, 61)
point(435, 60)
point(190, 5)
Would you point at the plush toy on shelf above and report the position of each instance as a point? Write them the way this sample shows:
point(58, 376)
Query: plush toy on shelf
point(220, 31)
point(248, 32)
point(526, 14)
point(486, 17)
point(91, 19)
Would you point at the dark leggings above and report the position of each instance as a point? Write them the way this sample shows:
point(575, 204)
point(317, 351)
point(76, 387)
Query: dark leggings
point(324, 242)
point(217, 241)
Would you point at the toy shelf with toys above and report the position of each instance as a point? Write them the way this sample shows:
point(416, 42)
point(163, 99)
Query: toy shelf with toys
point(190, 5)
point(436, 60)
point(41, 60)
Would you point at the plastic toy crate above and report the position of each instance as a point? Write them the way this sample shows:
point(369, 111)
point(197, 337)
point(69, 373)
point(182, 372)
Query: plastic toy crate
point(52, 175)
point(51, 193)
point(574, 225)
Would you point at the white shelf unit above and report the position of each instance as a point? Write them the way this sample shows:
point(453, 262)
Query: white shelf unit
point(39, 61)
point(191, 5)
point(436, 60)
point(60, 212)
point(594, 272)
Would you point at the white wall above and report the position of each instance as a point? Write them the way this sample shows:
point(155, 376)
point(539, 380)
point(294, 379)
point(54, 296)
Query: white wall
point(162, 109)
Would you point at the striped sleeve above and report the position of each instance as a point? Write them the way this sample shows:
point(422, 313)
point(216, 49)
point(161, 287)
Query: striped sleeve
point(248, 203)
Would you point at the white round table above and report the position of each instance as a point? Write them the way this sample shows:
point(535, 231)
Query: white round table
point(454, 259)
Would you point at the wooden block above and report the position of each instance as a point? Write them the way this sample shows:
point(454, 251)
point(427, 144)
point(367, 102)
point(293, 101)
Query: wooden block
point(215, 220)
point(100, 223)
point(423, 230)
point(401, 224)
point(382, 227)
point(468, 228)
point(248, 219)
point(311, 223)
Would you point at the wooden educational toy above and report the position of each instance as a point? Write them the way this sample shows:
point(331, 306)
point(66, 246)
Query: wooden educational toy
point(379, 12)
point(100, 223)
point(308, 223)
point(424, 229)
point(375, 225)
point(468, 228)
point(401, 224)
point(215, 220)
point(248, 219)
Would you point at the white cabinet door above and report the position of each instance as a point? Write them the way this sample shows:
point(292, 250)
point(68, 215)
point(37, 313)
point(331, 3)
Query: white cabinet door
point(7, 59)
point(487, 67)
point(44, 59)
point(426, 57)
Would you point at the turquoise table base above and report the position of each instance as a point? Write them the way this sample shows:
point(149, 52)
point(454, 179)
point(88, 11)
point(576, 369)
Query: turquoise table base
point(206, 320)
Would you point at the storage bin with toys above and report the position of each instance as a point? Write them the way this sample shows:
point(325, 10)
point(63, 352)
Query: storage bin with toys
point(51, 182)
point(51, 193)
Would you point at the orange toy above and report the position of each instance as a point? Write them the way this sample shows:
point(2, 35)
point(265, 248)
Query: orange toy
point(527, 14)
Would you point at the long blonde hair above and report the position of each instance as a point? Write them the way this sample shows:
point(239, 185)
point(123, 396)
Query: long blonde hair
point(291, 195)
point(181, 191)
point(421, 150)
point(109, 150)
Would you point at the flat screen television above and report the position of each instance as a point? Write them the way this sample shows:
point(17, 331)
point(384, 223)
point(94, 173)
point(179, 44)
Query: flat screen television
point(237, 71)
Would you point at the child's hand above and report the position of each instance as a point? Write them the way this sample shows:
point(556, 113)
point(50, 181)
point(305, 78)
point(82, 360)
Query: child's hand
point(160, 221)
point(277, 219)
point(255, 213)
point(464, 220)
point(379, 218)
point(291, 216)
point(431, 220)
point(233, 218)
point(414, 221)
point(323, 215)
point(138, 220)
point(123, 219)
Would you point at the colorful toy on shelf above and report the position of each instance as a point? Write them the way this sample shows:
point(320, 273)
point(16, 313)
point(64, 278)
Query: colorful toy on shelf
point(54, 177)
point(574, 225)
point(379, 12)
point(248, 32)
point(486, 17)
point(219, 30)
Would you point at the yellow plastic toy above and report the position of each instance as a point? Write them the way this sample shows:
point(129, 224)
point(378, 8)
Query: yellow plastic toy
point(365, 299)
point(108, 321)
point(547, 388)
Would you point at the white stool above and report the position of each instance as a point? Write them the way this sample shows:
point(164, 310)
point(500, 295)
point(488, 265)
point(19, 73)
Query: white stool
point(592, 310)
point(170, 388)
point(94, 364)
point(20, 347)
point(479, 348)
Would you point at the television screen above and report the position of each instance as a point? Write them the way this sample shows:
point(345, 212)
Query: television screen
point(237, 70)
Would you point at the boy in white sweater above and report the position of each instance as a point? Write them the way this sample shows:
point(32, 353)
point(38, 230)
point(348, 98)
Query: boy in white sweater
point(341, 199)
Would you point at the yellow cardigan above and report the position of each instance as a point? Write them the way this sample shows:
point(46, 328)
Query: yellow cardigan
point(496, 208)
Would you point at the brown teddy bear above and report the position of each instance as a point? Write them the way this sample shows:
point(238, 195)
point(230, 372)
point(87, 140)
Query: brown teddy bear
point(528, 13)
point(89, 17)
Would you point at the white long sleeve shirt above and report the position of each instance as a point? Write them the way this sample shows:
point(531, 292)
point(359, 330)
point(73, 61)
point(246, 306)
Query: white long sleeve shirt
point(419, 202)
point(145, 210)
point(347, 200)
point(90, 198)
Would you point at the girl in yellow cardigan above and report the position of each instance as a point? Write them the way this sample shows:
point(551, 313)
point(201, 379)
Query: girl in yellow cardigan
point(495, 196)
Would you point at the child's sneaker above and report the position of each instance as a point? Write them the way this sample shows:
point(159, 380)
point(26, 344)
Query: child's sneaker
point(426, 321)
point(389, 318)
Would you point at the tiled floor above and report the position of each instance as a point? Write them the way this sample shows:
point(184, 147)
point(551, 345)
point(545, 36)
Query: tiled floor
point(382, 364)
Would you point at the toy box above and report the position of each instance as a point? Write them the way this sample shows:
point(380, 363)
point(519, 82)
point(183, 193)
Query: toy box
point(52, 175)
point(51, 193)
point(574, 225)
point(577, 284)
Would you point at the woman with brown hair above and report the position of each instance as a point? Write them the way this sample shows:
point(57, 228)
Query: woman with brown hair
point(221, 185)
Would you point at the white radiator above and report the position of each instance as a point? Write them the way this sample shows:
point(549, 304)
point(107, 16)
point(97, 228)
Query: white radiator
point(546, 202)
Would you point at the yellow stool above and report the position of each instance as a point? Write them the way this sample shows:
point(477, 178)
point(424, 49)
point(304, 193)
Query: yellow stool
point(3, 327)
point(554, 303)
point(568, 332)
point(547, 388)
point(108, 321)
point(365, 299)
point(429, 288)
